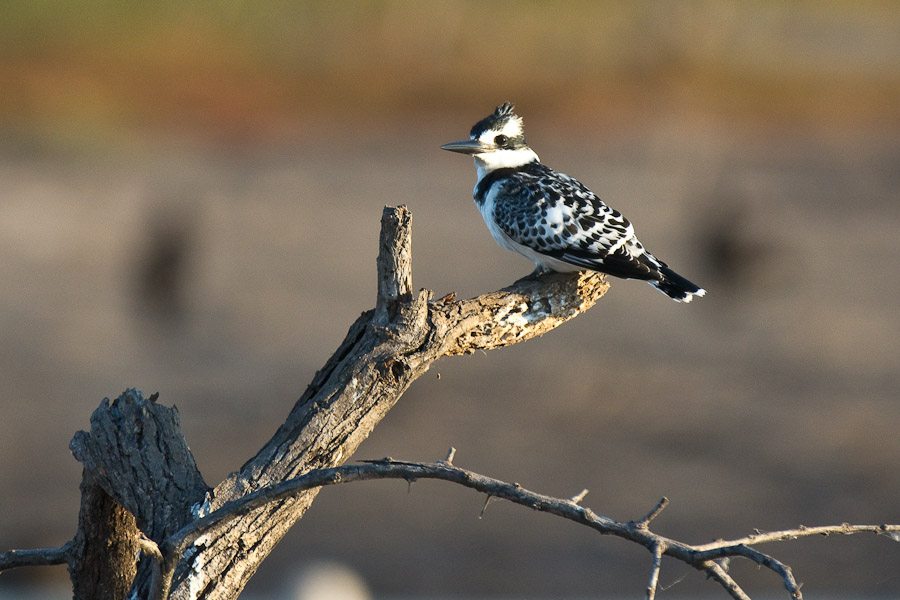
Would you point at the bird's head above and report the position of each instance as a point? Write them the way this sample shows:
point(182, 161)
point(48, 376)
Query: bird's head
point(496, 141)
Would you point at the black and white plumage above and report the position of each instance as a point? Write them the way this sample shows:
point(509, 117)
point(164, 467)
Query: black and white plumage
point(551, 218)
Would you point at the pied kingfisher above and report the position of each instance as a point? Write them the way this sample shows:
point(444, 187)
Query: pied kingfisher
point(551, 218)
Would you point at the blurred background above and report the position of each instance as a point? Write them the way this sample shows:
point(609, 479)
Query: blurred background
point(190, 195)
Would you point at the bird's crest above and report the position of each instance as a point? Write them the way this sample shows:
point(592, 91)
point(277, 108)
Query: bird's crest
point(504, 109)
point(502, 115)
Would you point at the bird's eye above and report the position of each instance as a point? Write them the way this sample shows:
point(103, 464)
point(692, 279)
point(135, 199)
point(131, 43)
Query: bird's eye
point(501, 140)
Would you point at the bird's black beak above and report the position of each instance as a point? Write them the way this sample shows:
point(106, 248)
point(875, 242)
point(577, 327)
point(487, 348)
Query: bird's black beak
point(468, 147)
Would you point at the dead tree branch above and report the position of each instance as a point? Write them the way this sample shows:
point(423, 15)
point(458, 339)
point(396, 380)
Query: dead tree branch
point(142, 492)
point(385, 350)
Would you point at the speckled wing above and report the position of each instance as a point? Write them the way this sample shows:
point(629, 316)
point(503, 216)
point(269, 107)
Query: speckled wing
point(557, 216)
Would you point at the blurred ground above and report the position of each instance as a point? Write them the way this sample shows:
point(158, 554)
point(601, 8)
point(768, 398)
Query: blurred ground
point(190, 205)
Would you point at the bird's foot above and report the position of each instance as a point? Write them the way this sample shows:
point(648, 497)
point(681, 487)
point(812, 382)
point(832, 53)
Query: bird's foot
point(538, 273)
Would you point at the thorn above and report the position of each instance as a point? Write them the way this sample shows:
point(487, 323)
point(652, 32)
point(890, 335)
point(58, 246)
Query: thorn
point(484, 508)
point(645, 522)
point(578, 497)
point(450, 454)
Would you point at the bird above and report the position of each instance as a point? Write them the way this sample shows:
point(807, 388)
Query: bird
point(551, 218)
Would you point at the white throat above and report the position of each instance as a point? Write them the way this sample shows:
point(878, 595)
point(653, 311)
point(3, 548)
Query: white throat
point(500, 159)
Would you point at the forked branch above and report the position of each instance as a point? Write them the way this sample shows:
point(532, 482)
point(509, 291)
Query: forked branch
point(385, 350)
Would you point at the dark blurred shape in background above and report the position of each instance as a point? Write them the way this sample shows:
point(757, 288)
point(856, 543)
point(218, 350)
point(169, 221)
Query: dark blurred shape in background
point(222, 167)
point(741, 254)
point(162, 266)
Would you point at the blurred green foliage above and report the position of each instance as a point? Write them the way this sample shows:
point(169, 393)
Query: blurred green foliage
point(240, 61)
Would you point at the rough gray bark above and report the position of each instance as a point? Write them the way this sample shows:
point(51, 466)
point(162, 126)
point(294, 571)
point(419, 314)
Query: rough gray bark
point(137, 454)
point(102, 555)
point(136, 462)
point(383, 353)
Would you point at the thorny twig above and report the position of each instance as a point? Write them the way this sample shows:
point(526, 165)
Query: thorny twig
point(708, 558)
point(705, 558)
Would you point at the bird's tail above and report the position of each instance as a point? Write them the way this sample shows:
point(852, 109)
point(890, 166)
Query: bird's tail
point(675, 286)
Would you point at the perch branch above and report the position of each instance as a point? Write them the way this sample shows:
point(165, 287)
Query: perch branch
point(385, 350)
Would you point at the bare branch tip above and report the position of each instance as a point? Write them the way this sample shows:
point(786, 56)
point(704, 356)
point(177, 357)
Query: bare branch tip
point(35, 558)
